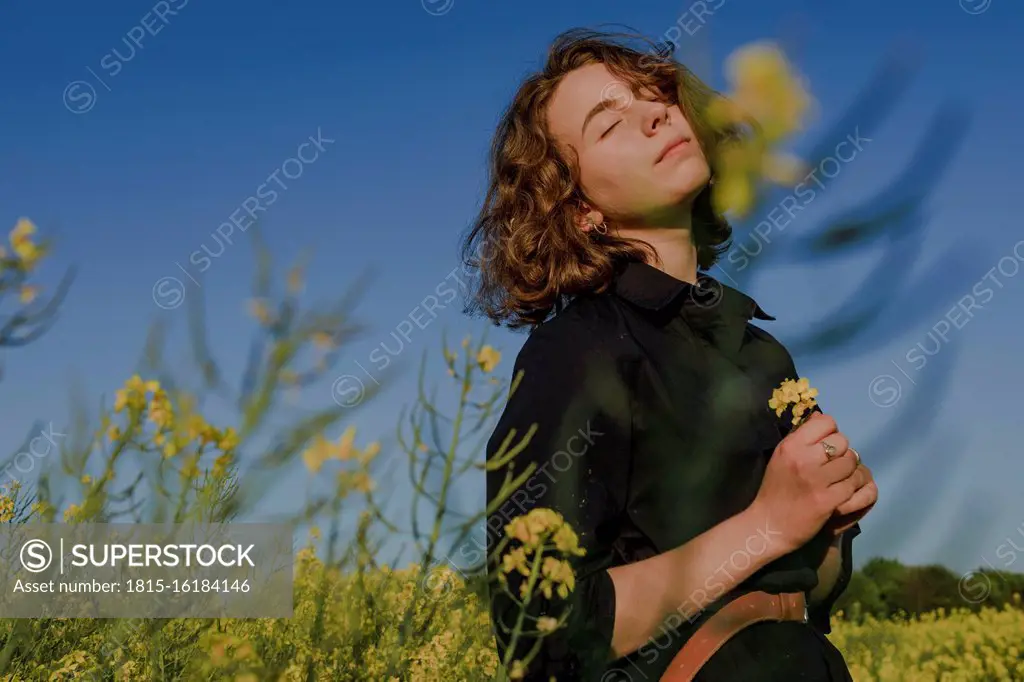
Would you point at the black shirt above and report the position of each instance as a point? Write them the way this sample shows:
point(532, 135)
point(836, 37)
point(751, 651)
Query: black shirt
point(652, 425)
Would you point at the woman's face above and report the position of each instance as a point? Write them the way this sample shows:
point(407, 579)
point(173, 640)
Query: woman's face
point(639, 159)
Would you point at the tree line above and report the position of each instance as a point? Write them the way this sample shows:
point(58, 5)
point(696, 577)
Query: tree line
point(885, 588)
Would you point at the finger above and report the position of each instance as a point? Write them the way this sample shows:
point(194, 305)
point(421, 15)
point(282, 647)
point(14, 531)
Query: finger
point(841, 468)
point(842, 490)
point(815, 428)
point(843, 522)
point(865, 497)
point(839, 442)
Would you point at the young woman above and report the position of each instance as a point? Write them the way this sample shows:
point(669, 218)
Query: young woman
point(717, 537)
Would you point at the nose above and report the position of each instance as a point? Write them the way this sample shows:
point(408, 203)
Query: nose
point(655, 117)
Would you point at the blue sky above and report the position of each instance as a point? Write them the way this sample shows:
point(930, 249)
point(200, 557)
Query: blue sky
point(134, 158)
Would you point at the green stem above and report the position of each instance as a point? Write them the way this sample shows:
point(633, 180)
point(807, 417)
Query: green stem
point(517, 630)
point(435, 534)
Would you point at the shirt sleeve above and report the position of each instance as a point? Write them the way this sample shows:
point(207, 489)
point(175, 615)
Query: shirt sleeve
point(574, 391)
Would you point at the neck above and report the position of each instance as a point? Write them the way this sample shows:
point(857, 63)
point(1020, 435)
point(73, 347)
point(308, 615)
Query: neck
point(677, 254)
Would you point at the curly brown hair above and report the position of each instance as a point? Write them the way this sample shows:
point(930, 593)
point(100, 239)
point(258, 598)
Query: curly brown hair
point(525, 244)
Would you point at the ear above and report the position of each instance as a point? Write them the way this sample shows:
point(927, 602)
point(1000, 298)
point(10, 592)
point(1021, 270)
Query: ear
point(587, 218)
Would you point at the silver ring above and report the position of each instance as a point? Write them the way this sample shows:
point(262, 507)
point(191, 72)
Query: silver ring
point(830, 450)
point(856, 455)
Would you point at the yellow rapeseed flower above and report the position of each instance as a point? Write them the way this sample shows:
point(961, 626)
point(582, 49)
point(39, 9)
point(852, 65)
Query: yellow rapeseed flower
point(369, 452)
point(120, 400)
point(547, 624)
point(320, 450)
point(515, 560)
point(769, 92)
point(190, 469)
point(323, 340)
point(346, 449)
point(521, 530)
point(317, 453)
point(195, 425)
point(258, 308)
point(221, 464)
point(796, 394)
point(532, 528)
point(23, 229)
point(21, 243)
point(733, 191)
point(161, 412)
point(362, 482)
point(6, 509)
point(41, 508)
point(228, 440)
point(135, 384)
point(768, 88)
point(557, 574)
point(28, 293)
point(72, 512)
point(567, 542)
point(488, 358)
point(209, 434)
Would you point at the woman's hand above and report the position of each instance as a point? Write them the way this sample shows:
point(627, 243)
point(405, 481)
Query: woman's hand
point(857, 507)
point(802, 488)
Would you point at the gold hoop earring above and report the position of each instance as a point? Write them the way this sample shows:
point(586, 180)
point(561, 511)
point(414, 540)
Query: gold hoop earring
point(601, 229)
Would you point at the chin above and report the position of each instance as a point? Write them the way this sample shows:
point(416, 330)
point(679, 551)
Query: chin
point(688, 189)
point(689, 178)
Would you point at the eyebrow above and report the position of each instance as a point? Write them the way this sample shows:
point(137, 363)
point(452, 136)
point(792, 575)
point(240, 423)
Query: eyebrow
point(594, 111)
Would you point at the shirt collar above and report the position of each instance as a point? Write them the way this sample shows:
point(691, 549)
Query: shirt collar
point(648, 287)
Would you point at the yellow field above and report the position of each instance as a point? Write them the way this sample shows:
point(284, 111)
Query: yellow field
point(451, 641)
point(939, 646)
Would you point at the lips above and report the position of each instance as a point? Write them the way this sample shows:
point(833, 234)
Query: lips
point(671, 146)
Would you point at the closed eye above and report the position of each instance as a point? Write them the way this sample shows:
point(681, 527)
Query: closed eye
point(609, 129)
